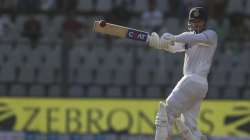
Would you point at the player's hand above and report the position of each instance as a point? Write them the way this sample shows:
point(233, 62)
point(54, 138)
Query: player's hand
point(154, 41)
point(166, 40)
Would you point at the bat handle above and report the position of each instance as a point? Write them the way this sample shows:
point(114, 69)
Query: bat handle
point(147, 41)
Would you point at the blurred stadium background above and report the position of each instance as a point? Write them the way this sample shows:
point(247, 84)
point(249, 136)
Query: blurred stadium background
point(51, 61)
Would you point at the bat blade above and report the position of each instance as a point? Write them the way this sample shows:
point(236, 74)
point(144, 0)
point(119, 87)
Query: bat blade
point(111, 29)
point(120, 31)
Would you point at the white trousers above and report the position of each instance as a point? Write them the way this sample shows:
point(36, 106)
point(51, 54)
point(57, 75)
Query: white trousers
point(185, 99)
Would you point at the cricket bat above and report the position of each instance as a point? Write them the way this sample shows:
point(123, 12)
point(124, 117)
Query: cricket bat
point(120, 31)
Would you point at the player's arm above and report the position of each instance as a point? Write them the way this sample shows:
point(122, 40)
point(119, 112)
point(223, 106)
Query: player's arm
point(177, 43)
point(206, 38)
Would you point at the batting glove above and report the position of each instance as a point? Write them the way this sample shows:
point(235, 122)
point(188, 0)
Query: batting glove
point(166, 40)
point(154, 41)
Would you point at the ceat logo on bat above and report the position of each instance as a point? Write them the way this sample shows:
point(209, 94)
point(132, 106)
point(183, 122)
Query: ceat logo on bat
point(137, 35)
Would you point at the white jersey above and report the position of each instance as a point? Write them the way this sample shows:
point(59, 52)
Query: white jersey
point(199, 51)
point(191, 89)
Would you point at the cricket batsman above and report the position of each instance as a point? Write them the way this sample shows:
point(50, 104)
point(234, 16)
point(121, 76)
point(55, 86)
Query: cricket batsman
point(183, 104)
